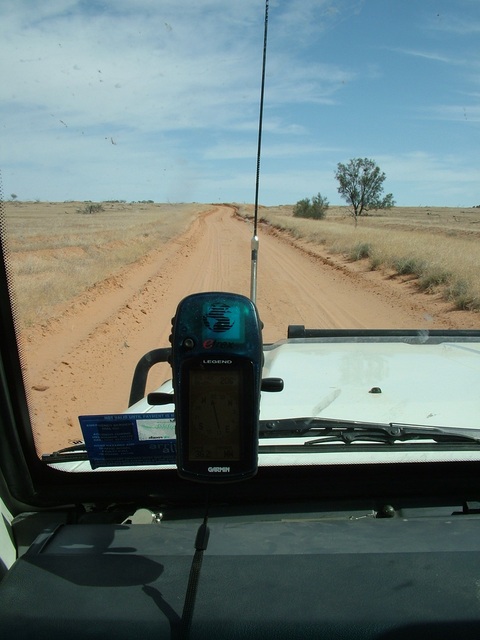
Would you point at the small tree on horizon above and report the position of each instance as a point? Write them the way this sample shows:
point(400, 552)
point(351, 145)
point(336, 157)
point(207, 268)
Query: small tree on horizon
point(361, 185)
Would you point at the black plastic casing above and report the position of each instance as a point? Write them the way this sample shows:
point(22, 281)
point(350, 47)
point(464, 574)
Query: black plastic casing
point(216, 339)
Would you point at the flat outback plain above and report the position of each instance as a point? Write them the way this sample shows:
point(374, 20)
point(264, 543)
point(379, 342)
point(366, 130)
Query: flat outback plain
point(95, 285)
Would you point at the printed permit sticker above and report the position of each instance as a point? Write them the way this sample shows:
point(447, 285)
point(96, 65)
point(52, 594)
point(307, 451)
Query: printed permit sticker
point(129, 439)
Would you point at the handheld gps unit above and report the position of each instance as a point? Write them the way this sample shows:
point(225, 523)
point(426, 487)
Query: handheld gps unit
point(216, 361)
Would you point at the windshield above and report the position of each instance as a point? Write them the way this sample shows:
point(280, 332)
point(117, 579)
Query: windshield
point(129, 166)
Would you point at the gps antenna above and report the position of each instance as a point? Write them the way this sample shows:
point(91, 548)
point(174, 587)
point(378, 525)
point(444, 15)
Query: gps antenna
point(254, 243)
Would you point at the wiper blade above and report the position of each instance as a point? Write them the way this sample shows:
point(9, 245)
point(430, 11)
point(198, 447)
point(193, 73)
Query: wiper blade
point(348, 431)
point(74, 453)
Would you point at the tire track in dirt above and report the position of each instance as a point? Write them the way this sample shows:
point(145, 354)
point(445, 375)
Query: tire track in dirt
point(83, 361)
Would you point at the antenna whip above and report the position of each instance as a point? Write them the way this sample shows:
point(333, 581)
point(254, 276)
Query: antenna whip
point(254, 243)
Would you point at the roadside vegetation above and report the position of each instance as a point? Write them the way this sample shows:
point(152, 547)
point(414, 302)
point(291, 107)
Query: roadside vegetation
point(58, 250)
point(316, 208)
point(438, 248)
point(360, 184)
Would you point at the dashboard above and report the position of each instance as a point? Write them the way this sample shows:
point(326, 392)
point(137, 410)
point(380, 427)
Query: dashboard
point(356, 573)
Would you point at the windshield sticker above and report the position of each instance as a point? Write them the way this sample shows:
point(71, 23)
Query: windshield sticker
point(129, 439)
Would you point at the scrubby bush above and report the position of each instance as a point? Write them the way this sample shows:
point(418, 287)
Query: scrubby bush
point(360, 251)
point(316, 208)
point(91, 207)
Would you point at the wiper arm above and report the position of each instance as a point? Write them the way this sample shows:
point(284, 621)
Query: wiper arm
point(348, 431)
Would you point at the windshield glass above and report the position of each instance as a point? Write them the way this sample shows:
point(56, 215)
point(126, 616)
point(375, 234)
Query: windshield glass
point(129, 158)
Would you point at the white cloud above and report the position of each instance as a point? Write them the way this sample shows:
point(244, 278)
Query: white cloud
point(456, 113)
point(131, 69)
point(153, 72)
point(430, 55)
point(119, 98)
point(451, 23)
point(277, 150)
point(298, 20)
point(426, 178)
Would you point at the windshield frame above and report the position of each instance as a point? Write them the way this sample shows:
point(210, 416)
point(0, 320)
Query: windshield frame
point(33, 481)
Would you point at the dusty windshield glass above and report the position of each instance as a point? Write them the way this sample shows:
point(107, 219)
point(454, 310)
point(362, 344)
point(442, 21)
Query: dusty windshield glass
point(128, 159)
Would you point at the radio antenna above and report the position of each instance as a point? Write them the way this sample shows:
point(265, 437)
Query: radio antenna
point(254, 242)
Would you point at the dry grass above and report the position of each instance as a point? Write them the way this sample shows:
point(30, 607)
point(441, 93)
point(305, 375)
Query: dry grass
point(57, 250)
point(440, 247)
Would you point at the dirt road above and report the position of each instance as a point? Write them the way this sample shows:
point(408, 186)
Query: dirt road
point(83, 361)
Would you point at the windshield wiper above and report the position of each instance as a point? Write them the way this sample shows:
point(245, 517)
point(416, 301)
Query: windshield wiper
point(74, 453)
point(325, 430)
point(348, 431)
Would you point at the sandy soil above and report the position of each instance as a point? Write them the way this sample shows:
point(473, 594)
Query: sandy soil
point(82, 362)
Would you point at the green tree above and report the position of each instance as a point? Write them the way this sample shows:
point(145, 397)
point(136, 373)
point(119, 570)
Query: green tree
point(316, 208)
point(361, 185)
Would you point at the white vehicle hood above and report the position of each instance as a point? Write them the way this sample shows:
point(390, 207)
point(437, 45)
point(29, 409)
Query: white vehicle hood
point(432, 384)
point(387, 382)
point(428, 384)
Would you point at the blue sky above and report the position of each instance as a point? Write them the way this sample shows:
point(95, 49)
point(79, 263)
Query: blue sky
point(158, 100)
